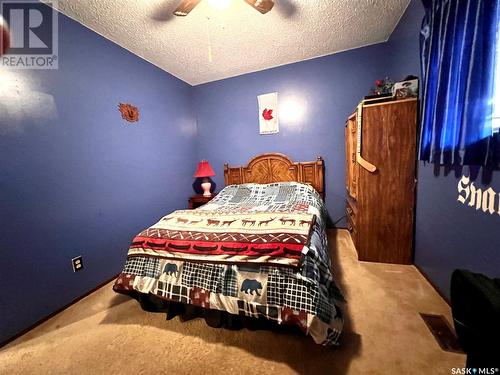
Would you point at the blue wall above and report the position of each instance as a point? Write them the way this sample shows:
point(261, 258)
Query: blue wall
point(324, 92)
point(75, 178)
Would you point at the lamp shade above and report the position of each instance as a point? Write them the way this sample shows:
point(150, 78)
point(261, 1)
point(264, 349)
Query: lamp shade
point(204, 169)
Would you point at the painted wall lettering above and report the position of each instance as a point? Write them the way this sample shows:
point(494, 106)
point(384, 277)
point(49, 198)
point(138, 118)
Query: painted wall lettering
point(487, 201)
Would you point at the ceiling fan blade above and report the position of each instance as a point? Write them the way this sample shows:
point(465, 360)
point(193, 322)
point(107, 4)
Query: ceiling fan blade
point(262, 6)
point(185, 7)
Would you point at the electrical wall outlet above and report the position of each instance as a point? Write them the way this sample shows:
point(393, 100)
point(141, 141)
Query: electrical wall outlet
point(77, 263)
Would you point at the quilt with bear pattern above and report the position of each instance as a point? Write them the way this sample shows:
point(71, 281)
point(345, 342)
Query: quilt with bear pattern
point(304, 295)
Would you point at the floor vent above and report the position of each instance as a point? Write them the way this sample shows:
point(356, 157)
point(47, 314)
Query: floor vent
point(443, 333)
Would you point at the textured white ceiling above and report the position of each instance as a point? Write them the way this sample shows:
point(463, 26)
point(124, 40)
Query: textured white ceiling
point(242, 39)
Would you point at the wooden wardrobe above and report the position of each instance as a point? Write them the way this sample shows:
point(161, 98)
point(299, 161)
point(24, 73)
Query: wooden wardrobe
point(380, 180)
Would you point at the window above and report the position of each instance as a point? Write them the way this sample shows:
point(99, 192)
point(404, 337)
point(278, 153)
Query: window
point(496, 96)
point(453, 73)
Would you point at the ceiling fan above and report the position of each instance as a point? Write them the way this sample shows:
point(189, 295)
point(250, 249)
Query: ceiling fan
point(186, 6)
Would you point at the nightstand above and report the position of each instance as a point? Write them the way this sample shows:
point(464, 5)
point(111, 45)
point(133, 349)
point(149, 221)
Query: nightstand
point(199, 200)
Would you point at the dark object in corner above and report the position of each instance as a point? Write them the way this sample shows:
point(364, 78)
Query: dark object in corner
point(475, 304)
point(442, 332)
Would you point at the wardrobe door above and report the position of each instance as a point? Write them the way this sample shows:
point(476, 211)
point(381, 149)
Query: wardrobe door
point(386, 197)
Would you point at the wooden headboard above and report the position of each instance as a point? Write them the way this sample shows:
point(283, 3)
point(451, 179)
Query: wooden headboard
point(274, 167)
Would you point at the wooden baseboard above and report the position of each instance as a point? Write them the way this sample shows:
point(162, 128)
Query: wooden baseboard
point(429, 280)
point(43, 320)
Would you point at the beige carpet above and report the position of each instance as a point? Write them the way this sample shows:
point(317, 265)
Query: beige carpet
point(109, 334)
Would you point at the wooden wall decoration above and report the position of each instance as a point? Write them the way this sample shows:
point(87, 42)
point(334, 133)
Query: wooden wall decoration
point(129, 112)
point(275, 167)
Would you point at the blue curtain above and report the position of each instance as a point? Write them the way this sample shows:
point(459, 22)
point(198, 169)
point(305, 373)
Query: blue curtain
point(458, 45)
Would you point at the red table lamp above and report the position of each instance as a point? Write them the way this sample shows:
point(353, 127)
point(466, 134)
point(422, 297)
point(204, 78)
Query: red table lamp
point(205, 171)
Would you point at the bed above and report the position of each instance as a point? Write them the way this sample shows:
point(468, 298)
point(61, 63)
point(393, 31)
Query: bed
point(258, 251)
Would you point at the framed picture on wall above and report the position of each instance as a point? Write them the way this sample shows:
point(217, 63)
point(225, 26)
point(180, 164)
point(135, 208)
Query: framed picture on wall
point(268, 113)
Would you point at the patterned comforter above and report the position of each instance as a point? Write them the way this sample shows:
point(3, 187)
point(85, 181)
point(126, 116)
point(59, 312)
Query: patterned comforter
point(304, 295)
point(228, 237)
